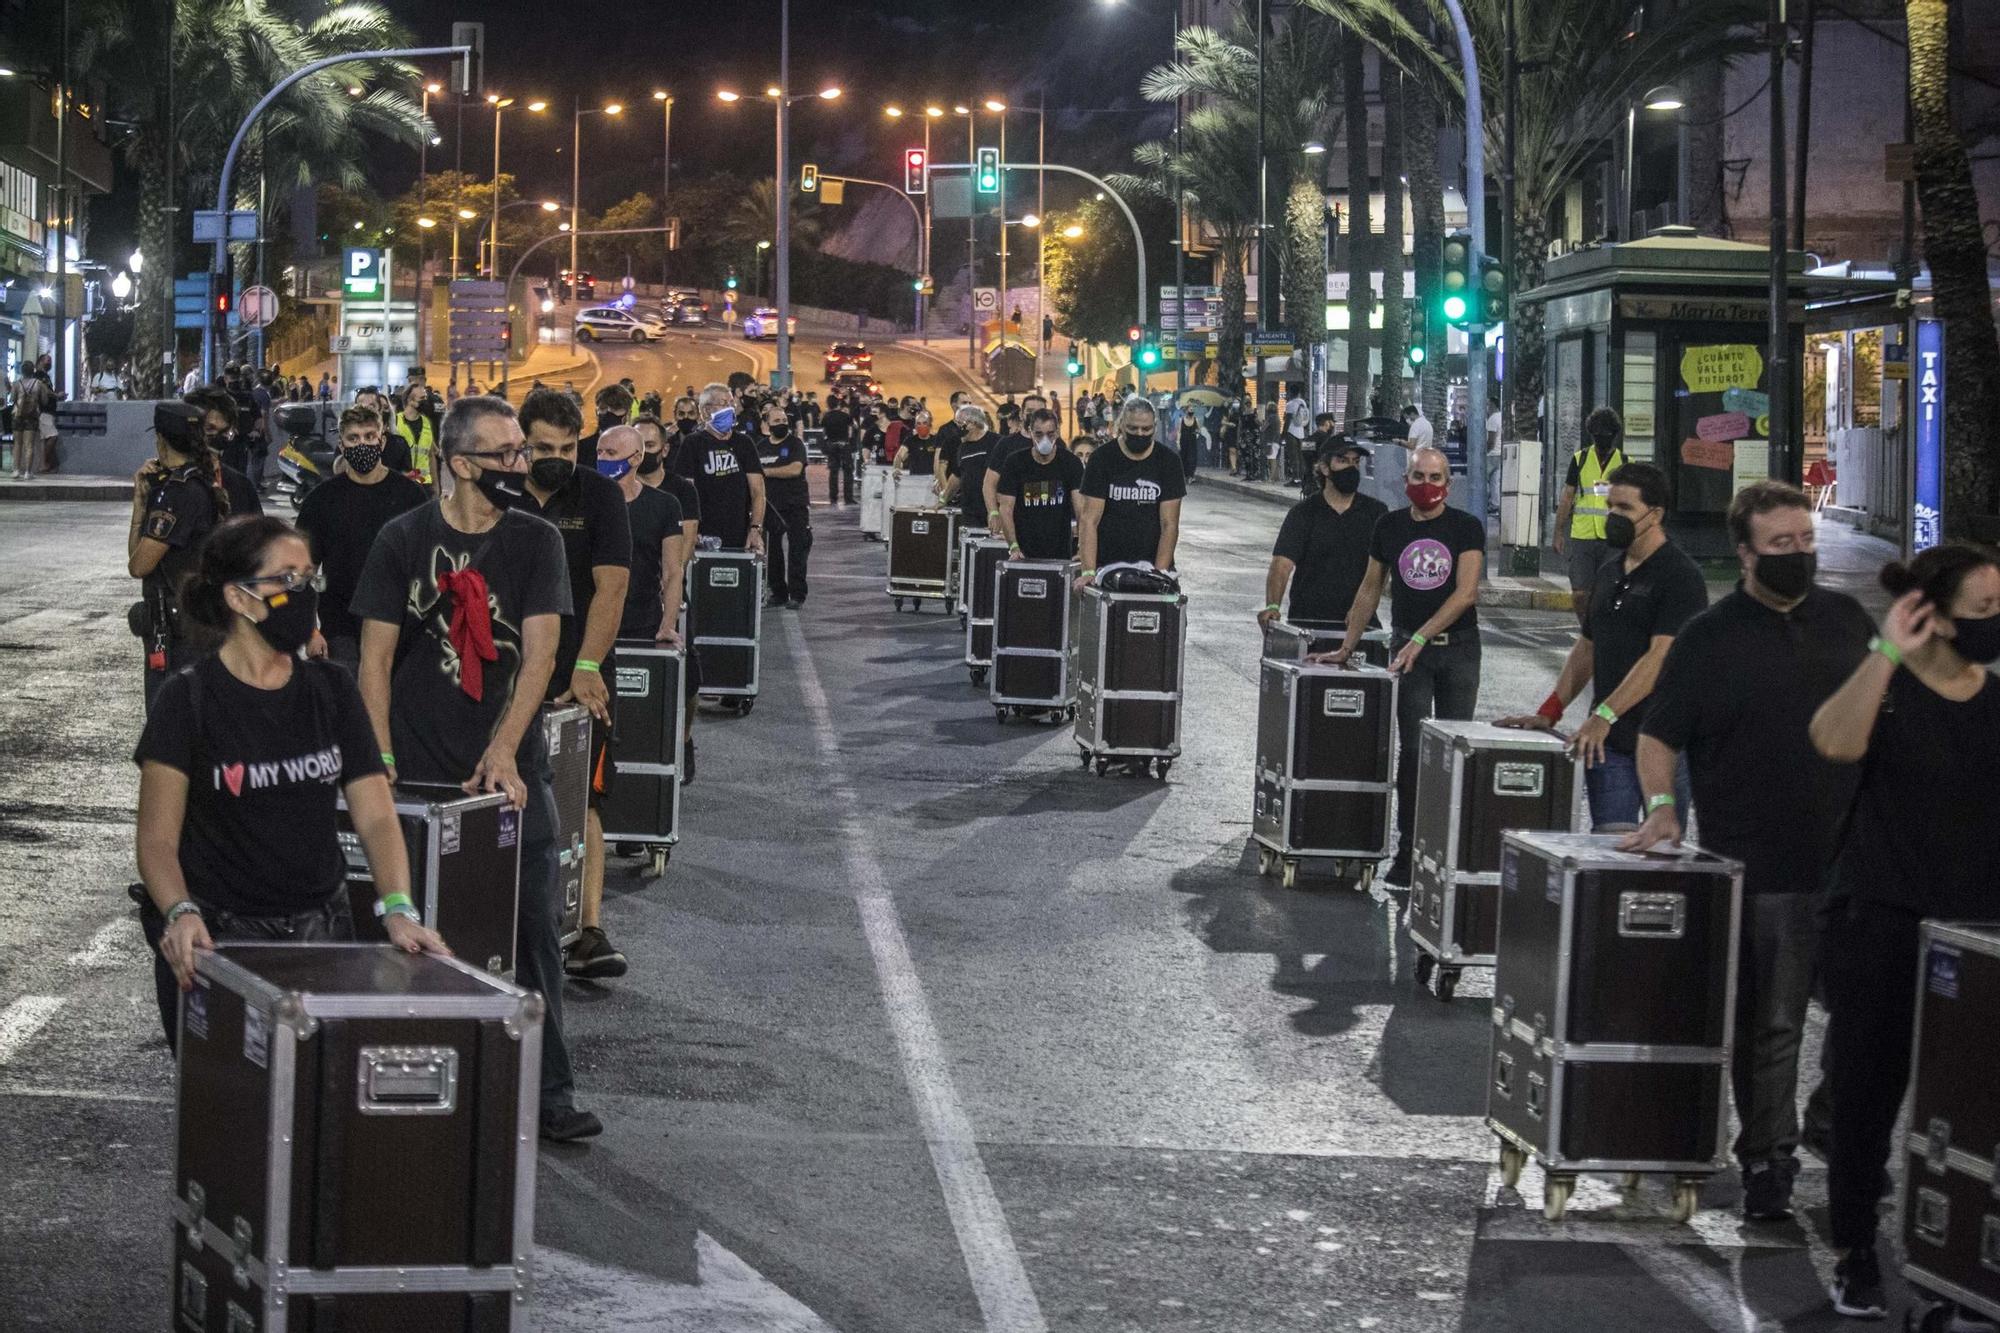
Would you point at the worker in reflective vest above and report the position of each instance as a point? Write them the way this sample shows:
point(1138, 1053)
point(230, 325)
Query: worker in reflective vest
point(1586, 499)
point(415, 428)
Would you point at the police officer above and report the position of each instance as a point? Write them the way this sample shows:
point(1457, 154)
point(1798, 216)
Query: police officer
point(1586, 497)
point(176, 500)
point(1322, 549)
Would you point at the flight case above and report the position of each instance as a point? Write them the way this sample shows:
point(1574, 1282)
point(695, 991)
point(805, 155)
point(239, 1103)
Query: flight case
point(1614, 999)
point(725, 623)
point(643, 806)
point(875, 500)
point(1031, 615)
point(1292, 640)
point(1326, 769)
point(1475, 780)
point(923, 556)
point(566, 731)
point(465, 871)
point(979, 558)
point(1129, 649)
point(1951, 1187)
point(354, 1143)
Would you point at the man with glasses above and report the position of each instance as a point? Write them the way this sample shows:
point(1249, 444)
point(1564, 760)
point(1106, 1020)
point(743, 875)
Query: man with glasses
point(727, 474)
point(461, 604)
point(342, 516)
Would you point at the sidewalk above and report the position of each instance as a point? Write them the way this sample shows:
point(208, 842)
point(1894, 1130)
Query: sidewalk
point(1848, 560)
point(552, 363)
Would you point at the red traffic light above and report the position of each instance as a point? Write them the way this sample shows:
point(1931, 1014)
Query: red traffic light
point(222, 303)
point(914, 181)
point(1134, 333)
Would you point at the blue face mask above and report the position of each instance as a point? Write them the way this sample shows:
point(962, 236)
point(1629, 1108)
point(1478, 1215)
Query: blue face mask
point(723, 421)
point(614, 468)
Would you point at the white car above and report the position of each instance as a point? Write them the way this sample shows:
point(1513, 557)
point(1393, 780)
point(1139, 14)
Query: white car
point(609, 323)
point(763, 323)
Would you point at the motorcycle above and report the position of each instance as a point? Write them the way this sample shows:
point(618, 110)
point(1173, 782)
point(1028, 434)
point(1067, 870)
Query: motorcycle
point(308, 456)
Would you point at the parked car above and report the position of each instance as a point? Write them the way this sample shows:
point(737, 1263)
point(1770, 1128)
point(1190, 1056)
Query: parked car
point(609, 323)
point(686, 309)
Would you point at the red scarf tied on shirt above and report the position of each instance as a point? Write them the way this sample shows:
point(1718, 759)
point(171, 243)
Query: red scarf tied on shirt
point(471, 631)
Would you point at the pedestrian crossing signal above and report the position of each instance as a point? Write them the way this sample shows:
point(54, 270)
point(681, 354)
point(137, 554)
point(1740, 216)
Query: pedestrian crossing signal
point(987, 172)
point(1493, 291)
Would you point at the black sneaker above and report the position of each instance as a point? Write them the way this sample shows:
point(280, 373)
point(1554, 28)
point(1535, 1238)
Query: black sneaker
point(1857, 1286)
point(569, 1125)
point(592, 957)
point(1767, 1189)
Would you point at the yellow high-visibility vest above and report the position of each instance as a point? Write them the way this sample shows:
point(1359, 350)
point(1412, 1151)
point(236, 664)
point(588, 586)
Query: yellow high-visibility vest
point(1593, 494)
point(419, 442)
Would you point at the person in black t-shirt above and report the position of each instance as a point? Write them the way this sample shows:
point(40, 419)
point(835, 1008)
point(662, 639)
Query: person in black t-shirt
point(1323, 544)
point(1131, 498)
point(967, 465)
point(1040, 490)
point(614, 408)
point(1430, 555)
point(176, 500)
point(788, 512)
point(653, 594)
point(239, 769)
point(1737, 696)
point(1642, 597)
point(1921, 717)
point(837, 439)
point(1012, 441)
point(341, 518)
point(725, 470)
point(461, 605)
point(917, 454)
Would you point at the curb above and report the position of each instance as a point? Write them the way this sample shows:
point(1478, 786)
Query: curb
point(959, 372)
point(1503, 591)
point(106, 490)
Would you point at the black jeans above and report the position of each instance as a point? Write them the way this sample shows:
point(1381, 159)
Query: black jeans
point(538, 964)
point(1869, 958)
point(840, 474)
point(329, 923)
point(1444, 683)
point(788, 540)
point(1774, 976)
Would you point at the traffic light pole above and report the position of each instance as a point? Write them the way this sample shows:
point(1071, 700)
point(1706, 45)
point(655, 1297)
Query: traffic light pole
point(1475, 207)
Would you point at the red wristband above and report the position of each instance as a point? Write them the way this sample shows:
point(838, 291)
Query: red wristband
point(1552, 707)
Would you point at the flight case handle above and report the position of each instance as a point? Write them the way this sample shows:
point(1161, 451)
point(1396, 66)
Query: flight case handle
point(1660, 916)
point(408, 1080)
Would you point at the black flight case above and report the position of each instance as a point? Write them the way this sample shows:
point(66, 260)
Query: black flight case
point(1951, 1165)
point(923, 556)
point(1129, 650)
point(642, 809)
point(1474, 781)
point(354, 1143)
point(566, 730)
point(1031, 628)
point(1326, 769)
point(979, 557)
point(465, 871)
point(1292, 640)
point(1614, 998)
point(725, 619)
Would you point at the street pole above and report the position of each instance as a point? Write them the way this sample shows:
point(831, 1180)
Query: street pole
point(1510, 101)
point(62, 195)
point(170, 366)
point(493, 230)
point(782, 377)
point(1475, 207)
point(971, 244)
point(575, 190)
point(666, 166)
point(1180, 222)
point(1264, 311)
point(423, 210)
point(1006, 299)
point(1042, 239)
point(924, 246)
point(1778, 361)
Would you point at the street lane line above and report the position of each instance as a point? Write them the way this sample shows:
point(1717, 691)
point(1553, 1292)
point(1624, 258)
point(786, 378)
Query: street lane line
point(102, 948)
point(21, 1020)
point(999, 1280)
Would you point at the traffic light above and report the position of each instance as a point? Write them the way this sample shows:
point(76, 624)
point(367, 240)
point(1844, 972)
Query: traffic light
point(1460, 276)
point(914, 181)
point(1494, 291)
point(730, 281)
point(222, 303)
point(1420, 337)
point(1074, 365)
point(808, 177)
point(986, 175)
point(1133, 334)
point(1149, 356)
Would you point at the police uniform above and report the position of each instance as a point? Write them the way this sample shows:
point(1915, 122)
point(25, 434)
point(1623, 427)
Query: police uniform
point(180, 510)
point(1590, 470)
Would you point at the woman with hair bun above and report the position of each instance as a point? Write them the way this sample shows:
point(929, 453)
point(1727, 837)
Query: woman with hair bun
point(239, 767)
point(1921, 715)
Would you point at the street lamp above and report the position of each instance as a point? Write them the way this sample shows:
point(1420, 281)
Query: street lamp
point(1072, 232)
point(136, 263)
point(576, 174)
point(1313, 148)
point(666, 101)
point(1663, 98)
point(121, 285)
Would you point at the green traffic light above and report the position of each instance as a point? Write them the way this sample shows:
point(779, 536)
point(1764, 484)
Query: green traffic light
point(1149, 356)
point(1454, 308)
point(1075, 367)
point(1416, 354)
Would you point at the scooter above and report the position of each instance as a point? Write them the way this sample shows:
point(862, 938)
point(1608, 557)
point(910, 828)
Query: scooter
point(308, 456)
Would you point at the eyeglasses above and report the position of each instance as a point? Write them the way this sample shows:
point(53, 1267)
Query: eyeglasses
point(504, 457)
point(290, 581)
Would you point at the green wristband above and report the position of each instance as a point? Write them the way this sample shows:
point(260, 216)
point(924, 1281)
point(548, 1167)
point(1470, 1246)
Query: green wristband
point(1878, 644)
point(1664, 800)
point(389, 758)
point(1604, 711)
point(1271, 606)
point(585, 664)
point(1419, 640)
point(395, 902)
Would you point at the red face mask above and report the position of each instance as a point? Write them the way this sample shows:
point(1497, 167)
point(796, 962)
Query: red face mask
point(1426, 494)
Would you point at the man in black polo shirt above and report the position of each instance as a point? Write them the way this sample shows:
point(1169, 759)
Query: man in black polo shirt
point(1429, 555)
point(589, 511)
point(1737, 696)
point(1322, 546)
point(1640, 600)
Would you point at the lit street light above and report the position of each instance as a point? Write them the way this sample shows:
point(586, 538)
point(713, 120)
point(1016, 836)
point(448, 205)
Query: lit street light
point(136, 263)
point(121, 285)
point(1072, 232)
point(666, 101)
point(576, 175)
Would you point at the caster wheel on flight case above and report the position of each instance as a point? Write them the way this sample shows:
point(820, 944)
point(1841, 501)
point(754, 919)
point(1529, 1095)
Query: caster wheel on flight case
point(1556, 1192)
point(658, 865)
point(1929, 1317)
point(1160, 767)
point(1103, 766)
point(1083, 756)
point(1687, 1198)
point(743, 709)
point(1290, 877)
point(1000, 714)
point(1447, 983)
point(979, 676)
point(1512, 1160)
point(1265, 860)
point(1426, 965)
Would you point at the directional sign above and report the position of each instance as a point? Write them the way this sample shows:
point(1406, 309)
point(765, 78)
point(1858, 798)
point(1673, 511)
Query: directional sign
point(361, 272)
point(237, 225)
point(256, 307)
point(480, 322)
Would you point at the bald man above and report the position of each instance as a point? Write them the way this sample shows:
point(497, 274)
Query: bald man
point(1429, 556)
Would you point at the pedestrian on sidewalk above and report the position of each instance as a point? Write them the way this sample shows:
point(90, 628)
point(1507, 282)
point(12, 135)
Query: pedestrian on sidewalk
point(1921, 717)
point(1737, 696)
point(32, 397)
point(1586, 493)
point(1428, 556)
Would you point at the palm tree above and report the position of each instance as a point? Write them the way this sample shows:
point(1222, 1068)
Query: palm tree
point(755, 218)
point(1955, 248)
point(225, 55)
point(1216, 167)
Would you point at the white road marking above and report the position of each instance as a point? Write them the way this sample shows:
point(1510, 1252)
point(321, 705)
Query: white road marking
point(729, 1296)
point(21, 1020)
point(84, 1094)
point(999, 1280)
point(103, 946)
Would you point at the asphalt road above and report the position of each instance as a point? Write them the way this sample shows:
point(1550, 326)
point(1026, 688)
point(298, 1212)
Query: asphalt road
point(927, 1030)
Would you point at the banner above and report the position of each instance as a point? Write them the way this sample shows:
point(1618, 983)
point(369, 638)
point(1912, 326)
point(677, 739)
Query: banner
point(1927, 495)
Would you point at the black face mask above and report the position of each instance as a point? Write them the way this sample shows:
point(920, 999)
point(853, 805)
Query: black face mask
point(1787, 577)
point(650, 464)
point(503, 490)
point(1346, 480)
point(1136, 444)
point(362, 459)
point(780, 431)
point(293, 618)
point(1620, 531)
point(606, 420)
point(1978, 640)
point(552, 474)
point(685, 425)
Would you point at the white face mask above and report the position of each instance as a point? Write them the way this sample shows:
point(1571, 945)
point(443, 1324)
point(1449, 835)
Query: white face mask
point(1045, 445)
